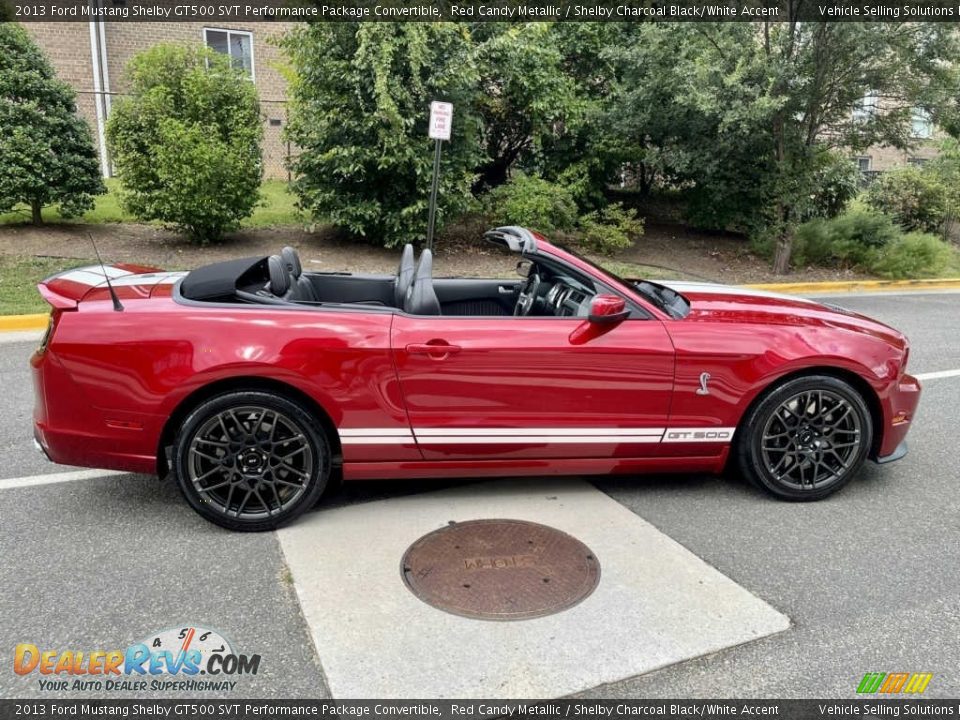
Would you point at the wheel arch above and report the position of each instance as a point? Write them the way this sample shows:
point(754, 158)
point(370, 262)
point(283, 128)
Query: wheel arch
point(858, 382)
point(236, 384)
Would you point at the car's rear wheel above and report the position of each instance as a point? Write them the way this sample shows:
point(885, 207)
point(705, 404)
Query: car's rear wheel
point(806, 438)
point(251, 460)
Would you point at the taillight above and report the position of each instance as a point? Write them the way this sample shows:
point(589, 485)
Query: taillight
point(48, 334)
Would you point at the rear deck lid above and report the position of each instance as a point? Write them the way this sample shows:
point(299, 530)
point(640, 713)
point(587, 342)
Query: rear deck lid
point(67, 289)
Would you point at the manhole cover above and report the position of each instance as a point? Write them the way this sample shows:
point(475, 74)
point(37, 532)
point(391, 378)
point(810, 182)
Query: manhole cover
point(500, 569)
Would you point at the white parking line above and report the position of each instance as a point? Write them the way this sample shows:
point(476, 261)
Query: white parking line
point(18, 336)
point(63, 477)
point(938, 374)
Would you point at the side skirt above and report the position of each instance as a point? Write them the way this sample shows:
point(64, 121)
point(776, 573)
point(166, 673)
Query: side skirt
point(518, 468)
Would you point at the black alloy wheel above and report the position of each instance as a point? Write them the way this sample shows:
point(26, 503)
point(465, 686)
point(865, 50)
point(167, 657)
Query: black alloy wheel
point(806, 438)
point(251, 460)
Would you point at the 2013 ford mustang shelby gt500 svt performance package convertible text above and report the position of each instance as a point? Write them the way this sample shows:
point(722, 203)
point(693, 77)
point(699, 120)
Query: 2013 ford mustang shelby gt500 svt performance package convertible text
point(255, 383)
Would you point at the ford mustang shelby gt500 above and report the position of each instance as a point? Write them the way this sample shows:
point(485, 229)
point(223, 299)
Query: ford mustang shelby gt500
point(255, 383)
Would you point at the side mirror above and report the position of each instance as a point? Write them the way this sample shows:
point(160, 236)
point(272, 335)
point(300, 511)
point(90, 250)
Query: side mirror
point(523, 268)
point(608, 310)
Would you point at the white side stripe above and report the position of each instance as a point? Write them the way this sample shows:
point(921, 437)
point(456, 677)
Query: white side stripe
point(532, 436)
point(536, 439)
point(518, 432)
point(373, 440)
point(369, 432)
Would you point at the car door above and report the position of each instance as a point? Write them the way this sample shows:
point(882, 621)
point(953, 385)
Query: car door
point(533, 387)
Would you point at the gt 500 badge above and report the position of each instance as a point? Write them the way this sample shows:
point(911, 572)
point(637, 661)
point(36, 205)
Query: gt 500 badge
point(698, 434)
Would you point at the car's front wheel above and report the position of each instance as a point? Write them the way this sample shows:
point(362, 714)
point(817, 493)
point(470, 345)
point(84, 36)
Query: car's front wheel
point(806, 438)
point(251, 460)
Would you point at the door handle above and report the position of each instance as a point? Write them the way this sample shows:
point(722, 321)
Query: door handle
point(504, 290)
point(437, 350)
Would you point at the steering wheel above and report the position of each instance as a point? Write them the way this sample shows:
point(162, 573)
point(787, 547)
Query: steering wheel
point(528, 294)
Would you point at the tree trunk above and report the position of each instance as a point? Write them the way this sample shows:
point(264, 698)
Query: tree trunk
point(36, 211)
point(781, 258)
point(490, 176)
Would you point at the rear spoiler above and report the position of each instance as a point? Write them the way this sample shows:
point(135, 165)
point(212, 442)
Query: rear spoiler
point(65, 290)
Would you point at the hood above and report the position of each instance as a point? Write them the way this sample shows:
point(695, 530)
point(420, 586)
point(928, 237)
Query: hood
point(729, 303)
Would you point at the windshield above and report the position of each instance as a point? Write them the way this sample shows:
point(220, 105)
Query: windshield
point(665, 299)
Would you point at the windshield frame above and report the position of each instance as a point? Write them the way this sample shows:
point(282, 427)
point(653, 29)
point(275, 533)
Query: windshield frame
point(657, 302)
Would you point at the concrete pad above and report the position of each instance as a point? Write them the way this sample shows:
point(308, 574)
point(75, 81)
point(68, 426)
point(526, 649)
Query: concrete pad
point(656, 604)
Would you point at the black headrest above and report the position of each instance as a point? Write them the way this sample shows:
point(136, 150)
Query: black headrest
point(279, 277)
point(404, 275)
point(421, 297)
point(425, 266)
point(292, 260)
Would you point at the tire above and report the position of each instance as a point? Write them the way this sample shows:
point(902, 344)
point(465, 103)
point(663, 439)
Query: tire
point(806, 438)
point(251, 460)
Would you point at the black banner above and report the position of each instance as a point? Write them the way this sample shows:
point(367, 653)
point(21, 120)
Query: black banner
point(456, 709)
point(476, 10)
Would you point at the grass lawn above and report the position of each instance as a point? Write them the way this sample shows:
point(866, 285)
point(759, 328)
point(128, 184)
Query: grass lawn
point(276, 208)
point(19, 276)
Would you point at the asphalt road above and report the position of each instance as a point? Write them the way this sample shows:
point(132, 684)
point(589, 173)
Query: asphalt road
point(869, 578)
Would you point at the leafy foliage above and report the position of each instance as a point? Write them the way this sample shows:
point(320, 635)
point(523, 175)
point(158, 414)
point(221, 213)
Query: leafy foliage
point(915, 198)
point(47, 155)
point(533, 202)
point(914, 255)
point(871, 241)
point(359, 113)
point(186, 144)
point(610, 228)
point(846, 240)
point(740, 114)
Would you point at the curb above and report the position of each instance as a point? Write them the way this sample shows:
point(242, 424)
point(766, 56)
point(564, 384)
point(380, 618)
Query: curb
point(9, 323)
point(844, 286)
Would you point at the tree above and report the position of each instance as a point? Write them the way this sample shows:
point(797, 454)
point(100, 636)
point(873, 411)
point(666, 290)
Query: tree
point(359, 111)
point(186, 143)
point(47, 155)
point(754, 106)
point(524, 94)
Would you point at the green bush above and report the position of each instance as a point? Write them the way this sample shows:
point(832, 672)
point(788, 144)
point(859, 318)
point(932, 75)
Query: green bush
point(532, 202)
point(359, 110)
point(847, 239)
point(916, 199)
point(610, 229)
point(872, 242)
point(913, 255)
point(836, 182)
point(47, 154)
point(186, 144)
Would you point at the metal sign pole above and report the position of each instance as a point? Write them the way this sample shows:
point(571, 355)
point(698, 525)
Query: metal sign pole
point(433, 194)
point(441, 118)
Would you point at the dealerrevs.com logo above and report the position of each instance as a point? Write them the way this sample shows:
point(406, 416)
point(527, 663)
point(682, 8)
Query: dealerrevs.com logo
point(189, 659)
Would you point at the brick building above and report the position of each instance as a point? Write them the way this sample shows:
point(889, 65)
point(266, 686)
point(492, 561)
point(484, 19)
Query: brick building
point(925, 139)
point(91, 57)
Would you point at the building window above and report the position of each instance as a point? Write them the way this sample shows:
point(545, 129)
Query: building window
point(867, 107)
point(917, 161)
point(921, 125)
point(863, 163)
point(237, 44)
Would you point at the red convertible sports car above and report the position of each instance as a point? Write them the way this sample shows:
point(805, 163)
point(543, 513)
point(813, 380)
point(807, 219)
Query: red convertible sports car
point(256, 383)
